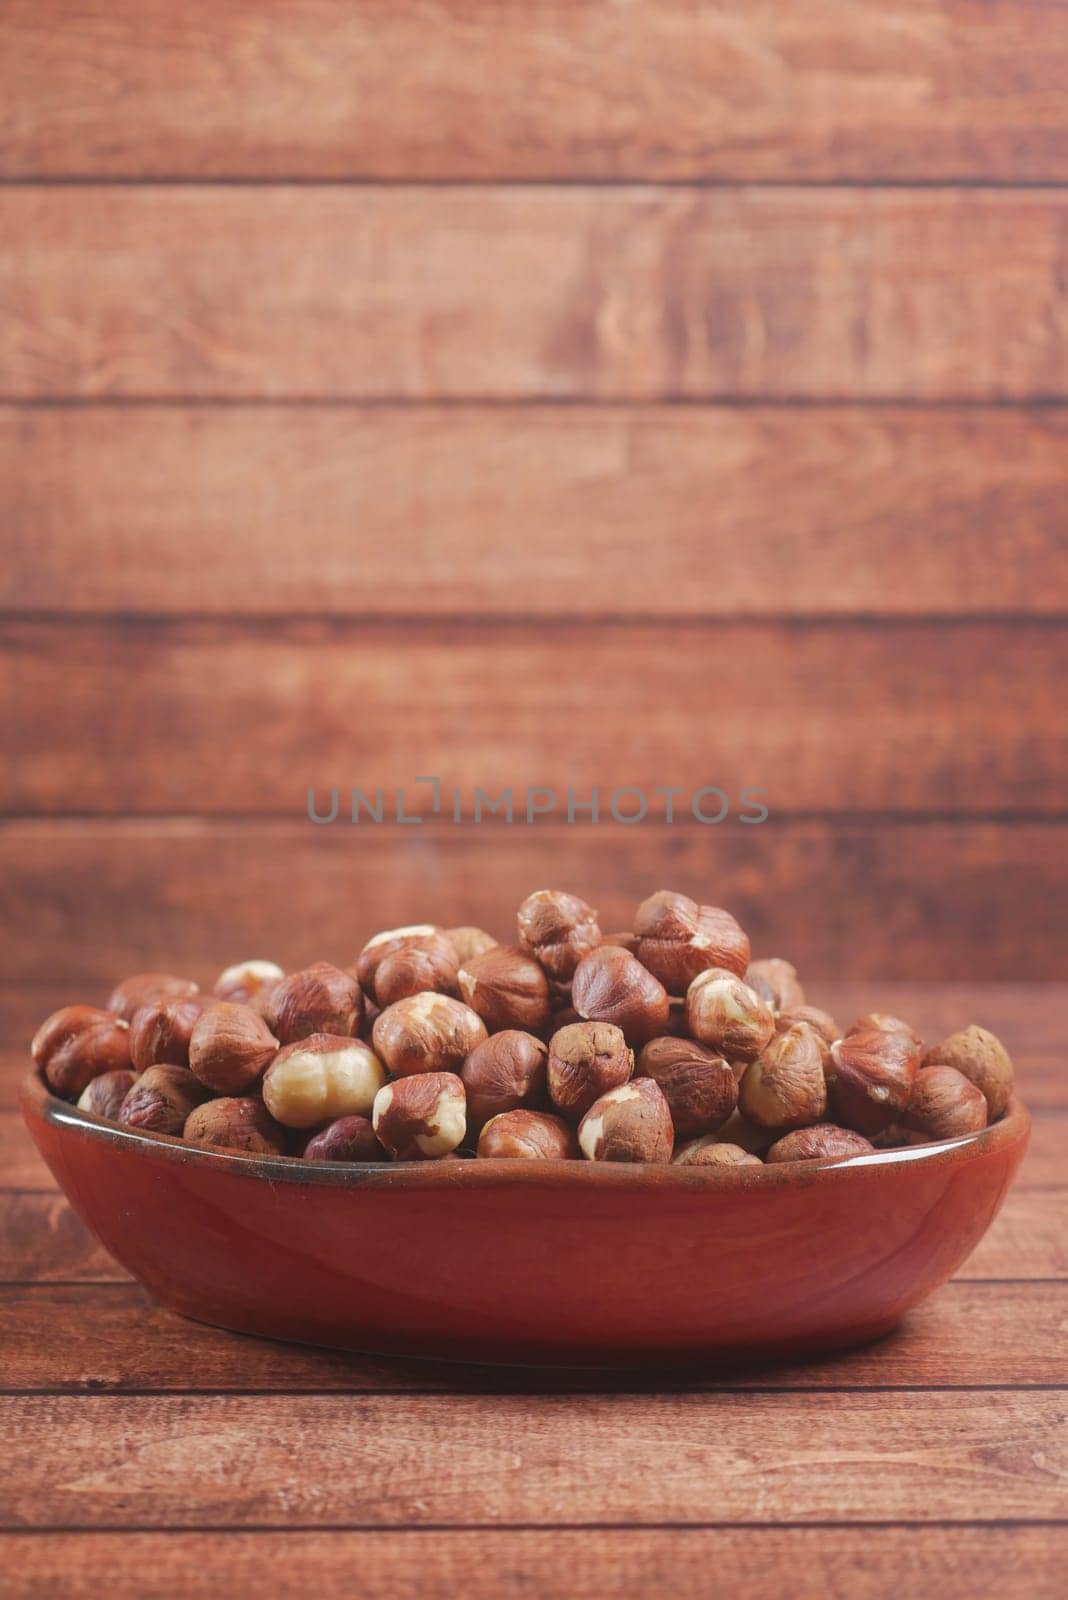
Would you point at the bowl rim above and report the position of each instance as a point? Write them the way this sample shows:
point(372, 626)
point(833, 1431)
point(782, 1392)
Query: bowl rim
point(38, 1103)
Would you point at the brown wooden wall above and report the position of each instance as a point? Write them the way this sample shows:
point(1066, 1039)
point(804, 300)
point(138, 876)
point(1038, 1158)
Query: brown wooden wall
point(544, 394)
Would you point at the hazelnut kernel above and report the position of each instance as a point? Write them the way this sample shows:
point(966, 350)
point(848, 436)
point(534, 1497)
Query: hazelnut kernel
point(699, 1086)
point(242, 1124)
point(426, 1033)
point(677, 939)
point(945, 1104)
point(785, 1087)
point(103, 1096)
point(229, 1047)
point(527, 1136)
point(585, 1060)
point(631, 1123)
point(722, 1011)
point(422, 937)
point(776, 981)
point(557, 929)
point(823, 1142)
point(345, 1139)
point(248, 982)
point(983, 1059)
point(871, 1076)
point(468, 942)
point(145, 988)
point(77, 1044)
point(160, 1100)
point(821, 1021)
point(319, 1078)
point(611, 985)
point(416, 969)
point(421, 1118)
point(319, 999)
point(160, 1032)
point(711, 1152)
point(504, 1072)
point(508, 989)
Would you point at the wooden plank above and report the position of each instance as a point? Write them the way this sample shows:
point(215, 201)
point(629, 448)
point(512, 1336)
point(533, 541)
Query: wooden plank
point(135, 717)
point(321, 88)
point(522, 511)
point(227, 1460)
point(521, 293)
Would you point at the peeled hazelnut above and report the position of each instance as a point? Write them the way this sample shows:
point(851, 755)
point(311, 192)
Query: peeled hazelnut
point(508, 989)
point(585, 1060)
point(871, 1075)
point(677, 939)
point(708, 1152)
point(104, 1095)
point(748, 1136)
point(785, 1087)
point(777, 982)
point(504, 1072)
point(416, 969)
point(983, 1059)
point(722, 1011)
point(322, 1077)
point(239, 1124)
point(945, 1104)
point(160, 1032)
point(248, 982)
point(557, 929)
point(230, 1047)
point(631, 1123)
point(822, 1021)
point(824, 1142)
point(421, 1118)
point(881, 1022)
point(426, 1033)
point(611, 985)
point(320, 999)
point(698, 1085)
point(78, 1043)
point(527, 1136)
point(422, 937)
point(468, 942)
point(161, 1100)
point(145, 988)
point(345, 1139)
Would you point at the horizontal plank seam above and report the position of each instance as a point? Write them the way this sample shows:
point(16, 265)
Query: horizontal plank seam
point(940, 183)
point(716, 400)
point(526, 621)
point(181, 1530)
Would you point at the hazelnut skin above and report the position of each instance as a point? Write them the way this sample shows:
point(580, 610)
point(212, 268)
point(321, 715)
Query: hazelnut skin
point(242, 1124)
point(871, 1076)
point(611, 985)
point(247, 983)
point(426, 1033)
point(822, 1021)
point(785, 1087)
point(345, 1139)
point(230, 1047)
point(423, 937)
point(882, 1022)
point(317, 1079)
point(722, 1011)
point(416, 969)
point(421, 1118)
point(508, 989)
point(161, 1100)
point(748, 1136)
point(824, 1142)
point(320, 999)
point(145, 988)
point(503, 1073)
point(469, 942)
point(160, 1032)
point(586, 1059)
point(709, 1152)
point(527, 1136)
point(677, 939)
point(77, 1044)
point(631, 1123)
point(103, 1096)
point(983, 1059)
point(627, 940)
point(698, 1085)
point(776, 981)
point(557, 929)
point(945, 1104)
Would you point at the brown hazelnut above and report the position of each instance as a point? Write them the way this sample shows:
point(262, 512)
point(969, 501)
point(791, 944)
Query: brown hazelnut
point(627, 940)
point(161, 1100)
point(824, 1142)
point(822, 1021)
point(230, 1047)
point(776, 981)
point(722, 1011)
point(585, 1060)
point(710, 1152)
point(426, 1033)
point(871, 1075)
point(677, 939)
point(785, 1087)
point(508, 989)
point(504, 1072)
point(78, 1043)
point(247, 983)
point(983, 1059)
point(320, 999)
point(422, 937)
point(345, 1139)
point(317, 1079)
point(611, 985)
point(945, 1104)
point(468, 942)
point(144, 988)
point(103, 1096)
point(557, 929)
point(631, 1123)
point(160, 1032)
point(698, 1085)
point(527, 1136)
point(421, 1118)
point(425, 968)
point(748, 1136)
point(242, 1124)
point(882, 1022)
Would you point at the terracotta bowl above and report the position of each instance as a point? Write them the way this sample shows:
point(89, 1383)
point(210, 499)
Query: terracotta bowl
point(522, 1261)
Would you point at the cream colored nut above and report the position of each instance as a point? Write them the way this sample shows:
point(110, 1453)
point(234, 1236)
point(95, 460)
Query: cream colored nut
point(776, 981)
point(426, 1033)
point(824, 1142)
point(246, 981)
point(677, 939)
point(711, 1152)
point(320, 1078)
point(785, 1087)
point(631, 1123)
point(421, 1118)
point(983, 1059)
point(722, 1011)
point(229, 1047)
point(557, 929)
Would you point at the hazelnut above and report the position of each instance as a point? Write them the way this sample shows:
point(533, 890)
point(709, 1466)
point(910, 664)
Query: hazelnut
point(426, 1033)
point(103, 1096)
point(585, 1060)
point(627, 940)
point(319, 1078)
point(881, 1022)
point(776, 981)
point(824, 1142)
point(709, 1152)
point(677, 939)
point(871, 1075)
point(504, 1072)
point(822, 1021)
point(611, 985)
point(945, 1104)
point(423, 938)
point(161, 1100)
point(248, 982)
point(241, 1124)
point(133, 993)
point(160, 1032)
point(631, 1123)
point(416, 969)
point(983, 1059)
point(698, 1085)
point(748, 1136)
point(722, 1011)
point(229, 1048)
point(557, 929)
point(468, 942)
point(421, 1118)
point(345, 1139)
point(78, 1043)
point(320, 999)
point(507, 988)
point(785, 1087)
point(527, 1136)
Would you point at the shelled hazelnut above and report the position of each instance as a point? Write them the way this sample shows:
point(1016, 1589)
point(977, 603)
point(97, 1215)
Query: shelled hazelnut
point(230, 1047)
point(611, 985)
point(320, 999)
point(160, 1032)
point(823, 1142)
point(631, 1123)
point(242, 1124)
point(527, 1136)
point(508, 989)
point(247, 983)
point(748, 1136)
point(161, 1100)
point(585, 1060)
point(103, 1096)
point(468, 942)
point(345, 1139)
point(698, 1085)
point(77, 1044)
point(426, 1033)
point(503, 1073)
point(822, 1023)
point(724, 1012)
point(776, 981)
point(557, 929)
point(871, 1076)
point(983, 1059)
point(398, 953)
point(785, 1087)
point(677, 939)
point(320, 1078)
point(710, 1152)
point(421, 1118)
point(945, 1104)
point(145, 988)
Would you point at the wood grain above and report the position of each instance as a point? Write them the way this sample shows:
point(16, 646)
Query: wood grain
point(522, 511)
point(533, 293)
point(323, 88)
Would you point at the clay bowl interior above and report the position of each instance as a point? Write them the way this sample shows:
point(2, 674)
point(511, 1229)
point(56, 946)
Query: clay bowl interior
point(533, 1262)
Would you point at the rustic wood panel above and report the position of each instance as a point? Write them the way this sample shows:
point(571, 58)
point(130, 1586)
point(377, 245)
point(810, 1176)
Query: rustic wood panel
point(518, 293)
point(325, 88)
point(635, 510)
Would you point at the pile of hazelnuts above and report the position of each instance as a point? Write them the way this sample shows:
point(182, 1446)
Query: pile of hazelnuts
point(664, 1044)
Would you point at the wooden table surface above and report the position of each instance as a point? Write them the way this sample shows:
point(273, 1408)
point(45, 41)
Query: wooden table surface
point(156, 1456)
